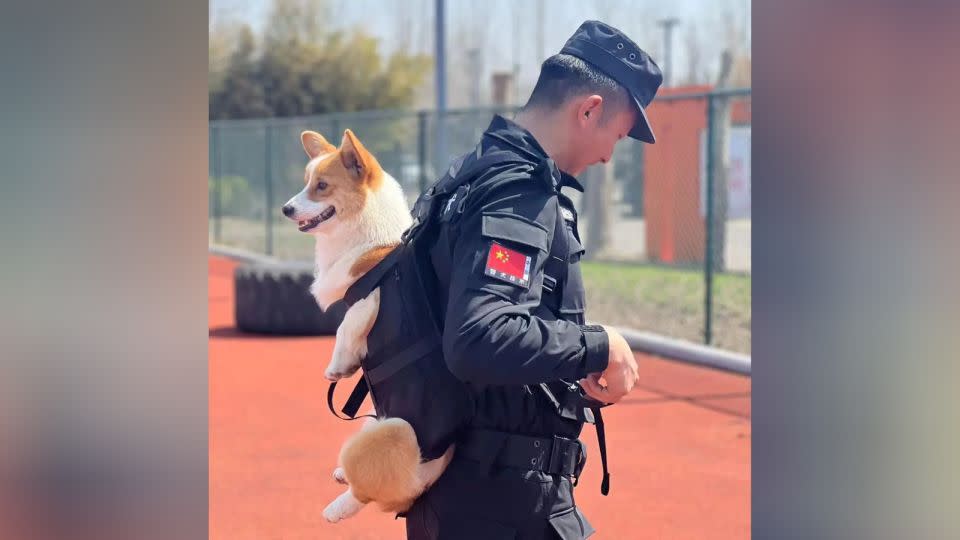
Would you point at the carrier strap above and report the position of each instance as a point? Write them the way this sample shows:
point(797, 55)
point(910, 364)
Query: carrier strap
point(602, 443)
point(366, 283)
point(357, 396)
point(404, 358)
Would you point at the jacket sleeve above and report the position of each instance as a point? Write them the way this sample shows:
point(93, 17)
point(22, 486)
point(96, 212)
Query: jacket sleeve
point(490, 334)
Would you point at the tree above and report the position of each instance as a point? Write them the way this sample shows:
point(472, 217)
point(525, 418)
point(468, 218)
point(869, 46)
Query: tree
point(241, 94)
point(294, 21)
point(222, 40)
point(304, 68)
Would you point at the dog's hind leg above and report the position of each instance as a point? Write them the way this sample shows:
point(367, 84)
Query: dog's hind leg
point(344, 506)
point(429, 472)
point(338, 474)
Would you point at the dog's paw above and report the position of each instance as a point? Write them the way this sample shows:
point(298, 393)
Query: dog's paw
point(341, 508)
point(331, 514)
point(344, 362)
point(333, 375)
point(341, 367)
point(340, 476)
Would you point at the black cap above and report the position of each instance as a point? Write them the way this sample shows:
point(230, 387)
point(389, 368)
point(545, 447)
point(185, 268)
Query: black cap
point(613, 53)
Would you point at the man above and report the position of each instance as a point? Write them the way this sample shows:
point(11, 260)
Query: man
point(507, 262)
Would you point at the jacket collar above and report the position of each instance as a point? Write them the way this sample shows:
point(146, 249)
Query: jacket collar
point(508, 134)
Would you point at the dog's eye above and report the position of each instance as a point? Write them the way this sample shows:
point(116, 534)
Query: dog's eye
point(321, 186)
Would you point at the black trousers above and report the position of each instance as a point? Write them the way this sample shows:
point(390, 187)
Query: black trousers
point(471, 501)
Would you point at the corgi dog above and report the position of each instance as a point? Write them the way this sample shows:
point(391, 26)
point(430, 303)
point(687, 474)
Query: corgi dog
point(357, 213)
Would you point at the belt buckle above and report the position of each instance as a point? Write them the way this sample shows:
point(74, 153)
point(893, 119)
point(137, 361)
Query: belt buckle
point(581, 462)
point(558, 455)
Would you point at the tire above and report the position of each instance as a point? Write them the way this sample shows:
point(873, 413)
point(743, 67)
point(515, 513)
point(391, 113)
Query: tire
point(274, 298)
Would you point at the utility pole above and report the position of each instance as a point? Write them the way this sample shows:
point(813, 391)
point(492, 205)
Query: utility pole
point(515, 41)
point(541, 51)
point(667, 25)
point(473, 58)
point(441, 157)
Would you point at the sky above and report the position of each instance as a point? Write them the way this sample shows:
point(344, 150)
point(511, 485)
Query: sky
point(507, 32)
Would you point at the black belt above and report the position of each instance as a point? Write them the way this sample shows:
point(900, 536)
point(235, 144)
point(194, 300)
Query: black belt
point(551, 455)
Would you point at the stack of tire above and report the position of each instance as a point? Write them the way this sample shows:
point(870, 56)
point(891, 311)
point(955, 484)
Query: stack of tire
point(274, 298)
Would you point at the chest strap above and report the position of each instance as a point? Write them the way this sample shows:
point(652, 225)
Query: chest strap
point(408, 355)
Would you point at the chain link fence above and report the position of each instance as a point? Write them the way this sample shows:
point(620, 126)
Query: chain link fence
point(666, 227)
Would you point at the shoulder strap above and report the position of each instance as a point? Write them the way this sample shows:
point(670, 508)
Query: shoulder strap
point(555, 268)
point(371, 280)
point(461, 174)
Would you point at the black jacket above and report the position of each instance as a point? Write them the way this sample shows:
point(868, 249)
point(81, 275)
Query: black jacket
point(506, 335)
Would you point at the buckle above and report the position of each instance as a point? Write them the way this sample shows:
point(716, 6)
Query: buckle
point(560, 456)
point(405, 236)
point(581, 462)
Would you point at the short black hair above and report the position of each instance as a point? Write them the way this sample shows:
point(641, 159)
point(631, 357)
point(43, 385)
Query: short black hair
point(563, 76)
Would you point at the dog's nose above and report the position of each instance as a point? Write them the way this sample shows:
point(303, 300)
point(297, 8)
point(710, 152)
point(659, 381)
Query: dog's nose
point(287, 210)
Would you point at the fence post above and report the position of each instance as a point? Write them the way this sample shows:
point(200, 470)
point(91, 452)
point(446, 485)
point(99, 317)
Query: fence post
point(422, 149)
point(217, 180)
point(268, 174)
point(708, 255)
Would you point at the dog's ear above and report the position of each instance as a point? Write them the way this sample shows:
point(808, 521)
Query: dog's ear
point(315, 144)
point(355, 157)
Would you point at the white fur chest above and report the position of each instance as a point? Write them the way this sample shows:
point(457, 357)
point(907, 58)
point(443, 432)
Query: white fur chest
point(381, 222)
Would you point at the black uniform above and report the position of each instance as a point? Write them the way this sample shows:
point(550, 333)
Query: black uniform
point(520, 343)
point(506, 262)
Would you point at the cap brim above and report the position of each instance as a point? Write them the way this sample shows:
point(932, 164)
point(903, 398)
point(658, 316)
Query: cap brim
point(641, 129)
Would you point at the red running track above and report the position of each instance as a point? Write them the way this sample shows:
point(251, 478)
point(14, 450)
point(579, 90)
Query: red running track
point(679, 445)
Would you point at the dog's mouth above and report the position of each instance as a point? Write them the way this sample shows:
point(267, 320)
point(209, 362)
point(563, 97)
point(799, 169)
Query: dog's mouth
point(308, 224)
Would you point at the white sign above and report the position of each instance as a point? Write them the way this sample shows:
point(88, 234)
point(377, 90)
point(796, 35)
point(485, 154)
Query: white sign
point(738, 179)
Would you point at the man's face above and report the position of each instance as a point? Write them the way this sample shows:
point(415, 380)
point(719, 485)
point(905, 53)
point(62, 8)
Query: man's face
point(598, 138)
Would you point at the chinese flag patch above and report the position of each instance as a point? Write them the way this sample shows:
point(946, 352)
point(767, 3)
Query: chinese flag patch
point(509, 265)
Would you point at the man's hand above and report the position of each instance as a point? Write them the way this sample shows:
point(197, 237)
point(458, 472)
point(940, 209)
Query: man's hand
point(620, 375)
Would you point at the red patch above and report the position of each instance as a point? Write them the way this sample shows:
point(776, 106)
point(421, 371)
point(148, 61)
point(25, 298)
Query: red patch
point(508, 265)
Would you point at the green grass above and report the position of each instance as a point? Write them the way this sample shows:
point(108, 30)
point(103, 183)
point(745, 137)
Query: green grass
point(669, 301)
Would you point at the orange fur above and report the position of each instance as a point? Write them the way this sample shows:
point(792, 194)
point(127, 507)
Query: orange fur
point(370, 259)
point(346, 189)
point(352, 152)
point(315, 144)
point(380, 463)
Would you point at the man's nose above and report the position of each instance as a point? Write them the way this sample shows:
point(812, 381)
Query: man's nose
point(287, 210)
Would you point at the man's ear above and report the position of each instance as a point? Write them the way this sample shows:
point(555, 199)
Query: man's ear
point(589, 110)
point(314, 144)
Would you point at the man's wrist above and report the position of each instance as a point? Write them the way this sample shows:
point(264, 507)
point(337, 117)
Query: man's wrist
point(597, 344)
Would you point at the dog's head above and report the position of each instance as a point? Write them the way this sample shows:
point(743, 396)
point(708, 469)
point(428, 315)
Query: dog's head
point(338, 181)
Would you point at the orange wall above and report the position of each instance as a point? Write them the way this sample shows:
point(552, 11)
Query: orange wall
point(675, 231)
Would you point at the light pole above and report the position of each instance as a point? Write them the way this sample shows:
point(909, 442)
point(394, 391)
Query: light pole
point(440, 159)
point(667, 25)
